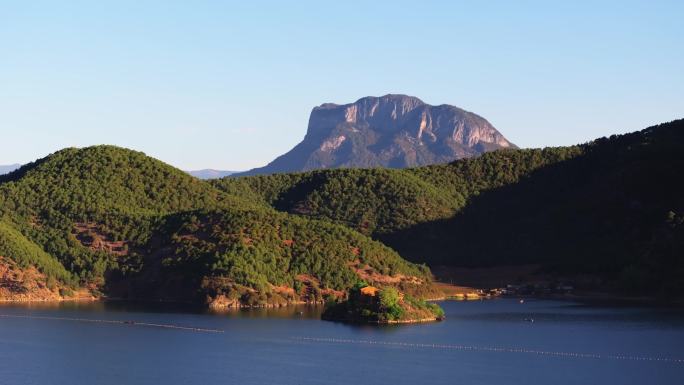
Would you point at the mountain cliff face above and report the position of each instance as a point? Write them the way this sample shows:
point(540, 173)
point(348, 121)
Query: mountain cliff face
point(394, 131)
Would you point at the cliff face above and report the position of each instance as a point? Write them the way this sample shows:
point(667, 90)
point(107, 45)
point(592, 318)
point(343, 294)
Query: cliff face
point(394, 131)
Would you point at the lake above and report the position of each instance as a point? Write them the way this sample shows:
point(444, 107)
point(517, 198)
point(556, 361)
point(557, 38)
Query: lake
point(481, 342)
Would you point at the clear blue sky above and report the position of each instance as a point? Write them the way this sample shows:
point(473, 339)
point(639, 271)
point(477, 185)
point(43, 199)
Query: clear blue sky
point(230, 84)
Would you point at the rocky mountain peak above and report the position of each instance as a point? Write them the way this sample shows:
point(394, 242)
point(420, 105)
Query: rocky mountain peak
point(388, 131)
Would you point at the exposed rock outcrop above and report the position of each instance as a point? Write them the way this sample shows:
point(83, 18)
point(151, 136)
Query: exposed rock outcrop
point(28, 284)
point(390, 131)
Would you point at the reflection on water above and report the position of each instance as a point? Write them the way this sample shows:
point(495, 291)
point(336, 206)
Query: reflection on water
point(303, 311)
point(482, 342)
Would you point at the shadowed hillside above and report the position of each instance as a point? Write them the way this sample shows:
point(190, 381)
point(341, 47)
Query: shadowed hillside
point(615, 212)
point(611, 208)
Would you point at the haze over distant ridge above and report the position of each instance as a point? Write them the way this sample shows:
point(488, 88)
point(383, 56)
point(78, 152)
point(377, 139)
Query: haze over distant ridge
point(4, 169)
point(210, 173)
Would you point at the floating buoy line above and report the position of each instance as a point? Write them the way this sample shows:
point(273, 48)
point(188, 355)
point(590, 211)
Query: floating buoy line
point(488, 349)
point(116, 322)
point(368, 342)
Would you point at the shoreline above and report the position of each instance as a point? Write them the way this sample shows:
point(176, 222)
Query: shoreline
point(597, 298)
point(380, 323)
point(466, 294)
point(51, 300)
point(158, 301)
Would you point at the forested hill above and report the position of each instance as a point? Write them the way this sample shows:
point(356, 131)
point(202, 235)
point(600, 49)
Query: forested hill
point(608, 213)
point(124, 224)
point(612, 208)
point(614, 212)
point(383, 201)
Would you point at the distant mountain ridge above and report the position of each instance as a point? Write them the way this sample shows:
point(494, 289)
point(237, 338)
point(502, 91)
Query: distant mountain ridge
point(9, 168)
point(210, 173)
point(395, 131)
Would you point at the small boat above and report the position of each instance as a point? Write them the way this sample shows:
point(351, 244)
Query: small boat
point(522, 301)
point(528, 319)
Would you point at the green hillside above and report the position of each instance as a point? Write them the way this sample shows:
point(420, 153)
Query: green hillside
point(370, 200)
point(611, 208)
point(615, 212)
point(120, 191)
point(609, 212)
point(264, 256)
point(384, 201)
point(26, 253)
point(133, 226)
point(100, 179)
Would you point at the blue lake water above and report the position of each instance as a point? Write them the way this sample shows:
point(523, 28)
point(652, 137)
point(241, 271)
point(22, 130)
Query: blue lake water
point(482, 342)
